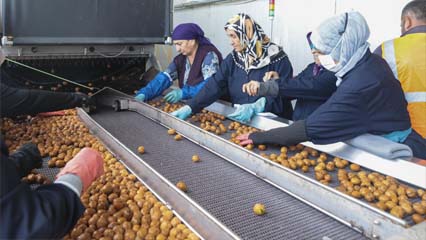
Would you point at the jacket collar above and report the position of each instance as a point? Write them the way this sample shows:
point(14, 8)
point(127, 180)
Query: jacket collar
point(418, 29)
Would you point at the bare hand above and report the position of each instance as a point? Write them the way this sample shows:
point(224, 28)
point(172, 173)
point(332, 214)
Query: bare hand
point(244, 139)
point(270, 75)
point(251, 88)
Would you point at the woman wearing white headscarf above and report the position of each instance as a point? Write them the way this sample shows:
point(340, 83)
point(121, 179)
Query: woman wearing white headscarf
point(368, 98)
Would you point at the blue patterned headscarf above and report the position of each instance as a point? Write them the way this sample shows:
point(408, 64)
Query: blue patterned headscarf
point(190, 31)
point(344, 37)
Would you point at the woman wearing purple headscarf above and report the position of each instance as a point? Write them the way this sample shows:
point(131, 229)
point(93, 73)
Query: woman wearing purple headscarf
point(197, 61)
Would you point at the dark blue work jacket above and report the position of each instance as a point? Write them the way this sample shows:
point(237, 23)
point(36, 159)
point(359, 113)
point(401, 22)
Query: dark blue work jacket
point(230, 79)
point(368, 100)
point(50, 211)
point(309, 89)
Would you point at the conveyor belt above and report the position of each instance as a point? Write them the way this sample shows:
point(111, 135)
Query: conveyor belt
point(50, 173)
point(223, 189)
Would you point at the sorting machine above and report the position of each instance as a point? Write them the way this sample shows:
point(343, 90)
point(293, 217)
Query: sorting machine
point(229, 180)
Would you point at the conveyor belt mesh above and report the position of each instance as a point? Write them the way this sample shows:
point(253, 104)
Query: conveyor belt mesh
point(223, 189)
point(50, 173)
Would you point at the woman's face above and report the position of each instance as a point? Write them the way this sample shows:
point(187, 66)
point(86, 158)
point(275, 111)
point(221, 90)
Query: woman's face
point(185, 47)
point(235, 41)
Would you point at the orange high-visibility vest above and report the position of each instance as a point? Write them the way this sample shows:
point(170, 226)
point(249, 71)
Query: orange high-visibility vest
point(407, 58)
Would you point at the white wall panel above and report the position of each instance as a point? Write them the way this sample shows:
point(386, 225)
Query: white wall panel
point(293, 19)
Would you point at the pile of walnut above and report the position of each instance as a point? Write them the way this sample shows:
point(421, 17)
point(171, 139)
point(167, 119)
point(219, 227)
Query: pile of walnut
point(383, 192)
point(168, 107)
point(117, 205)
point(36, 178)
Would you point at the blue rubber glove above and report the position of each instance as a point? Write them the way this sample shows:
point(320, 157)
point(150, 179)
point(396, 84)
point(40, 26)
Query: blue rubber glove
point(140, 97)
point(245, 112)
point(173, 96)
point(183, 112)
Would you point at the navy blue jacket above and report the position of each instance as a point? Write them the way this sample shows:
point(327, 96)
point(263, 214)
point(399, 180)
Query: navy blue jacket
point(309, 90)
point(230, 79)
point(369, 100)
point(50, 211)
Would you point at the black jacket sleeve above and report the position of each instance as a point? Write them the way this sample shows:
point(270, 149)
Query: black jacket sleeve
point(276, 104)
point(303, 86)
point(50, 211)
point(293, 134)
point(26, 158)
point(16, 101)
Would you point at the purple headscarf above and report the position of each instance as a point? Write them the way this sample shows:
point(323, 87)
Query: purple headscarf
point(189, 31)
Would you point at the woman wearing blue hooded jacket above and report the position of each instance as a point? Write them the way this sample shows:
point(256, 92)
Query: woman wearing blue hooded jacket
point(197, 61)
point(253, 55)
point(368, 98)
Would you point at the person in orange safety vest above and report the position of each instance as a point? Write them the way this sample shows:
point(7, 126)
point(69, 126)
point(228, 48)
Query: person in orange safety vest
point(406, 56)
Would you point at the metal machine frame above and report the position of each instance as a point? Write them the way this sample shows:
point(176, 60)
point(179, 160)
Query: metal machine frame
point(371, 221)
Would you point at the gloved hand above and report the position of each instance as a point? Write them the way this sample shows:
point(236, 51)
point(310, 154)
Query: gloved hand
point(182, 112)
point(174, 96)
point(87, 164)
point(245, 139)
point(51, 114)
point(245, 112)
point(140, 97)
point(26, 158)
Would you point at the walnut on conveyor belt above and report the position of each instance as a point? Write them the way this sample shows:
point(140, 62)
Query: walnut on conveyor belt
point(118, 206)
point(170, 107)
point(36, 178)
point(381, 191)
point(182, 186)
point(261, 147)
point(141, 149)
point(178, 137)
point(171, 131)
point(417, 218)
point(195, 158)
point(259, 209)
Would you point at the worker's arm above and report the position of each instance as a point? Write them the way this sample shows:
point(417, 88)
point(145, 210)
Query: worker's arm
point(293, 134)
point(17, 101)
point(307, 86)
point(343, 116)
point(279, 105)
point(303, 86)
point(161, 82)
point(213, 89)
point(50, 211)
point(26, 158)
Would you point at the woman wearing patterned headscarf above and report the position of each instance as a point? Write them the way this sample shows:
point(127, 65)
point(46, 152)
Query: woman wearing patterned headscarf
point(253, 55)
point(368, 98)
point(197, 61)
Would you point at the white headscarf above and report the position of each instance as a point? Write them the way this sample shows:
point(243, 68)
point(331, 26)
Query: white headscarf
point(344, 37)
point(258, 51)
